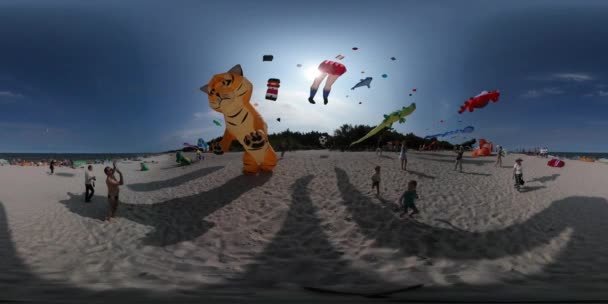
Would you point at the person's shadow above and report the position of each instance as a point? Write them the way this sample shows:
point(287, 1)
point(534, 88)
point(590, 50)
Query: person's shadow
point(544, 179)
point(181, 179)
point(381, 225)
point(176, 220)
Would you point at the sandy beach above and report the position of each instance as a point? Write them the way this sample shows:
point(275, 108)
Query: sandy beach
point(207, 231)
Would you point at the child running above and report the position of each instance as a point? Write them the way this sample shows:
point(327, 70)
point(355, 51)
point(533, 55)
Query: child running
point(408, 198)
point(113, 190)
point(376, 180)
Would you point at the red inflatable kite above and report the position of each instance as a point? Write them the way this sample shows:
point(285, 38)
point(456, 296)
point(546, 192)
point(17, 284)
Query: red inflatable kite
point(480, 101)
point(556, 163)
point(330, 69)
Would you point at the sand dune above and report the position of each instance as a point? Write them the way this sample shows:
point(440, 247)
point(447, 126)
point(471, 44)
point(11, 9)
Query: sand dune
point(208, 231)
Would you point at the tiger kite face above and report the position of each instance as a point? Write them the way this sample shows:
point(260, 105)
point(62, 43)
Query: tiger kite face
point(229, 91)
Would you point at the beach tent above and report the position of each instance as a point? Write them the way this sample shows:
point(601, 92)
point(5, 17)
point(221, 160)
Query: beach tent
point(78, 163)
point(3, 162)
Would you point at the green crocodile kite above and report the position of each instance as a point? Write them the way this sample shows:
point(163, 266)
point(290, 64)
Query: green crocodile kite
point(397, 116)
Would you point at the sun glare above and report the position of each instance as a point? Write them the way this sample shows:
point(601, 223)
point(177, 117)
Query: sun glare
point(312, 73)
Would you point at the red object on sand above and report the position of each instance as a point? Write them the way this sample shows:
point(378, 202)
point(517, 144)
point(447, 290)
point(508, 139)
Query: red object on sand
point(332, 68)
point(556, 163)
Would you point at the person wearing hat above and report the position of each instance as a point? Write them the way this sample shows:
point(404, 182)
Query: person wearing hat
point(518, 173)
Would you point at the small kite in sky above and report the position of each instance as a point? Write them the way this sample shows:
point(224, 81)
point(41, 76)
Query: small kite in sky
point(393, 58)
point(279, 119)
point(364, 82)
point(362, 72)
point(413, 90)
point(468, 129)
point(359, 102)
point(267, 58)
point(339, 57)
point(330, 69)
point(217, 123)
point(384, 75)
point(273, 88)
point(480, 100)
point(299, 65)
point(355, 48)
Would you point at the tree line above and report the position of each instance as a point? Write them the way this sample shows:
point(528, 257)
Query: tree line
point(341, 139)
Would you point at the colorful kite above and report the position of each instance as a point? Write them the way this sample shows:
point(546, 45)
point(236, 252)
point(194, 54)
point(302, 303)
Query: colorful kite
point(330, 69)
point(243, 122)
point(480, 101)
point(364, 82)
point(273, 89)
point(202, 144)
point(468, 129)
point(397, 116)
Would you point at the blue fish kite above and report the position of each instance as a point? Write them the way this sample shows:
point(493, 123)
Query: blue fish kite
point(364, 82)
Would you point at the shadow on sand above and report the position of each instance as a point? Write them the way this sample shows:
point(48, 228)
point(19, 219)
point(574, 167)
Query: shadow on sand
point(181, 179)
point(420, 174)
point(65, 174)
point(545, 179)
point(582, 257)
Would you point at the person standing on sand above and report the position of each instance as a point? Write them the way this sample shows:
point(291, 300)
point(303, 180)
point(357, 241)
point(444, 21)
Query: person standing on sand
point(403, 156)
point(459, 153)
point(376, 180)
point(518, 174)
point(52, 166)
point(89, 184)
point(113, 190)
point(408, 198)
point(499, 157)
point(282, 148)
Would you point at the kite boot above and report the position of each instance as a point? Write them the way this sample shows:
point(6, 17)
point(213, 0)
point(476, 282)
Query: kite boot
point(325, 96)
point(313, 92)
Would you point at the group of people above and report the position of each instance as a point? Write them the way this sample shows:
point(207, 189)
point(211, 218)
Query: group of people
point(408, 198)
point(112, 184)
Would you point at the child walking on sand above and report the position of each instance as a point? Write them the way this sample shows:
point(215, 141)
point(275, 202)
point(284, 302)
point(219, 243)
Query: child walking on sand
point(89, 184)
point(403, 156)
point(518, 174)
point(376, 180)
point(459, 153)
point(408, 199)
point(499, 157)
point(112, 189)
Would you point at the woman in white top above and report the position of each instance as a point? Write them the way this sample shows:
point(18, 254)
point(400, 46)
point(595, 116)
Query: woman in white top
point(403, 156)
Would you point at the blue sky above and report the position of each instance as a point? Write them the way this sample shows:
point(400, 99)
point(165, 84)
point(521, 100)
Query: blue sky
point(123, 76)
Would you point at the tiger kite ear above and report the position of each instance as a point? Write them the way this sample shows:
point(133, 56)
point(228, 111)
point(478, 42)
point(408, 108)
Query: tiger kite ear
point(205, 89)
point(236, 70)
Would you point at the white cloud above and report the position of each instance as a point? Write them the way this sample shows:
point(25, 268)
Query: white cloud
point(603, 93)
point(577, 77)
point(542, 92)
point(8, 96)
point(599, 93)
point(568, 77)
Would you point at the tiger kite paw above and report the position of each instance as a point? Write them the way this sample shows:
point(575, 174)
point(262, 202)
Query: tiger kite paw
point(255, 140)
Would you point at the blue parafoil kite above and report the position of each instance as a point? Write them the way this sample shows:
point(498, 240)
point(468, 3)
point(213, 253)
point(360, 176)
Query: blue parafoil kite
point(202, 144)
point(468, 129)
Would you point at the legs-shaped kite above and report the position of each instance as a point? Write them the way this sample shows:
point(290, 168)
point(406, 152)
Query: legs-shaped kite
point(330, 69)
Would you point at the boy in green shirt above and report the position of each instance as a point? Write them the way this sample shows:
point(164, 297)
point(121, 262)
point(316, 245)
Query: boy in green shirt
point(408, 198)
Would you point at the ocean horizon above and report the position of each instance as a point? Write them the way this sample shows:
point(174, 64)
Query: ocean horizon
point(71, 156)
